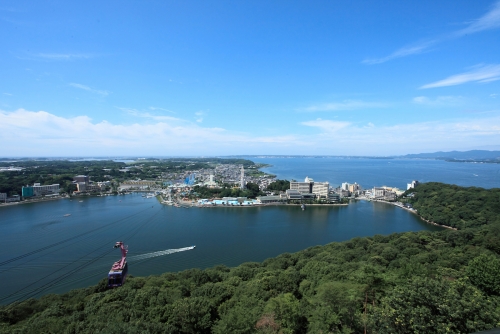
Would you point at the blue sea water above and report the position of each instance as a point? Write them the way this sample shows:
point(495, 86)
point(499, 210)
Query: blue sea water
point(379, 172)
point(43, 251)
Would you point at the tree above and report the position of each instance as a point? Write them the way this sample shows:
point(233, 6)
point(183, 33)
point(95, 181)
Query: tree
point(484, 272)
point(426, 305)
point(285, 309)
point(279, 185)
point(253, 190)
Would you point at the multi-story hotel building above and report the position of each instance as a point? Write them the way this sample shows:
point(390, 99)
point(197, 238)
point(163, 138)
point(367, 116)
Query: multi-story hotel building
point(309, 188)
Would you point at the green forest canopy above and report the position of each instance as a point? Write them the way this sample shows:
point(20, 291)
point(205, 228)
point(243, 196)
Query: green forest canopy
point(414, 282)
point(456, 206)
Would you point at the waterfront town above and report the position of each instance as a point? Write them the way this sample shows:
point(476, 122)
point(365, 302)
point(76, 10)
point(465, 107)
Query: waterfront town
point(186, 188)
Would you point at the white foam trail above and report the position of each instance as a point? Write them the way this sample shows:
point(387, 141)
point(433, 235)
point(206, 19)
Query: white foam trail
point(160, 253)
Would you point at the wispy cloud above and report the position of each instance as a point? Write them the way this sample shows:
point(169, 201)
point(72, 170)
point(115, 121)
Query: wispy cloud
point(143, 114)
point(352, 139)
point(161, 109)
point(403, 52)
point(345, 105)
point(8, 94)
point(480, 73)
point(87, 88)
point(63, 56)
point(327, 125)
point(199, 116)
point(440, 101)
point(491, 20)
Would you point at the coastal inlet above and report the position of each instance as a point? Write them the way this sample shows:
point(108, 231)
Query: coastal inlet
point(44, 252)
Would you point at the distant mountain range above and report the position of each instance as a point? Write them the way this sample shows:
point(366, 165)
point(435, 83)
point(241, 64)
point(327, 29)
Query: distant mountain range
point(476, 155)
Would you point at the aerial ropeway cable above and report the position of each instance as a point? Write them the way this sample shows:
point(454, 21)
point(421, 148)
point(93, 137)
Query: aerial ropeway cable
point(64, 241)
point(63, 276)
point(136, 259)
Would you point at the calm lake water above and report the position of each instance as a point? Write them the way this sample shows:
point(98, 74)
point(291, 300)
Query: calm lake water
point(45, 252)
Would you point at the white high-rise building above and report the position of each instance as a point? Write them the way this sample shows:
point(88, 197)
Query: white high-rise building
point(39, 190)
point(320, 189)
point(411, 185)
point(242, 181)
point(302, 187)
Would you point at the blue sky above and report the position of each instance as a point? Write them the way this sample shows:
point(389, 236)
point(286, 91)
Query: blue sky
point(259, 77)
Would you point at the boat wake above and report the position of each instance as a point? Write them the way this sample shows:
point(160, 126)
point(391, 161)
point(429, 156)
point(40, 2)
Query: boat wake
point(159, 253)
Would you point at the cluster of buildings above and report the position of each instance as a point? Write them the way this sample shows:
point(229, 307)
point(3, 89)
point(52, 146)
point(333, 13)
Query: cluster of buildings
point(383, 193)
point(82, 182)
point(6, 199)
point(311, 190)
point(349, 189)
point(39, 190)
point(11, 169)
point(307, 190)
point(322, 192)
point(137, 185)
point(84, 185)
point(231, 201)
point(215, 177)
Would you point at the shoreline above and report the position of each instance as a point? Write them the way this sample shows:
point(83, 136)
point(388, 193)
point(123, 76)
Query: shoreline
point(190, 205)
point(37, 201)
point(412, 211)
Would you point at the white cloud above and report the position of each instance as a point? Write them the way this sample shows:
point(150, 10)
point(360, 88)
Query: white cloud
point(325, 125)
point(480, 73)
point(161, 109)
point(38, 133)
point(440, 101)
point(8, 94)
point(404, 138)
point(403, 52)
point(432, 131)
point(345, 105)
point(137, 113)
point(199, 116)
point(491, 20)
point(87, 88)
point(29, 133)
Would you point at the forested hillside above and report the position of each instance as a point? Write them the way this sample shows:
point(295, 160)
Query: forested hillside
point(425, 282)
point(456, 206)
